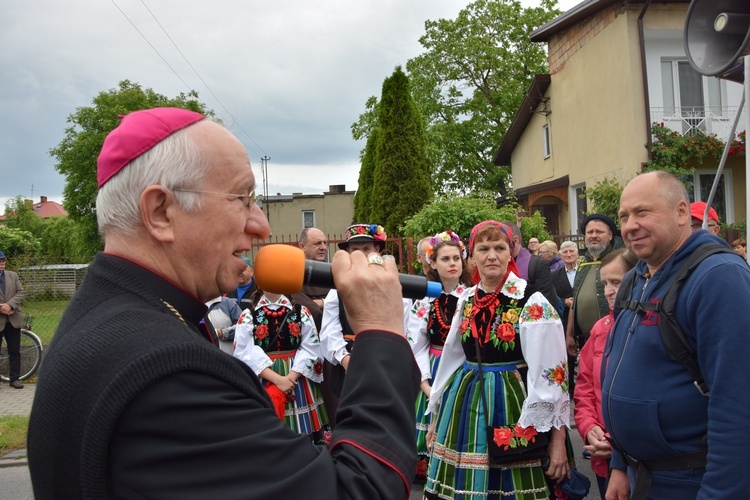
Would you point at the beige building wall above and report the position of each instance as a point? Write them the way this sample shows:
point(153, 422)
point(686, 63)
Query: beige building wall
point(332, 212)
point(596, 97)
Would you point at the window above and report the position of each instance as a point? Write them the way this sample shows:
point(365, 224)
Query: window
point(723, 200)
point(546, 141)
point(578, 206)
point(308, 218)
point(689, 96)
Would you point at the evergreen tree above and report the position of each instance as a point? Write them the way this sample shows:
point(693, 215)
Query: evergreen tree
point(401, 184)
point(363, 198)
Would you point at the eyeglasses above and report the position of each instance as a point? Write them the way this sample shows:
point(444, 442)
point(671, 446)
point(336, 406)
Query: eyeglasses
point(247, 199)
point(699, 225)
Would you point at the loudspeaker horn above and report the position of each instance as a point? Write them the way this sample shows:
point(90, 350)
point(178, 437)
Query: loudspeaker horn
point(717, 37)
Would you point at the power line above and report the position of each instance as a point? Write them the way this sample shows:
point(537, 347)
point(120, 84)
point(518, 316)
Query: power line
point(202, 80)
point(150, 45)
point(191, 67)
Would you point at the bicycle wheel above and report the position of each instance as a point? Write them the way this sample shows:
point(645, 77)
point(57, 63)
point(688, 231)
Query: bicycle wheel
point(31, 356)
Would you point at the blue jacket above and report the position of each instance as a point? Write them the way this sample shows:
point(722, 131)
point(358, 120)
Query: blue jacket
point(649, 403)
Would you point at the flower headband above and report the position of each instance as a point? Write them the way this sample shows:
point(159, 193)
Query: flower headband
point(441, 237)
point(374, 231)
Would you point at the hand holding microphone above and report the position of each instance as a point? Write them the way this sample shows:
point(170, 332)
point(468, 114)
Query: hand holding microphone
point(283, 269)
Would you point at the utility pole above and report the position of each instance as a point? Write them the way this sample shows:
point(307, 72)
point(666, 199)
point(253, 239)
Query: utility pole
point(264, 169)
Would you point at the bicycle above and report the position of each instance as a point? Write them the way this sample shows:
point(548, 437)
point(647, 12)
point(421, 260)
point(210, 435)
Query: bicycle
point(31, 352)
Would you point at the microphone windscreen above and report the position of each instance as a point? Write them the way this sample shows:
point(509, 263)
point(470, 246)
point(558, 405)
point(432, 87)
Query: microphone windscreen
point(280, 269)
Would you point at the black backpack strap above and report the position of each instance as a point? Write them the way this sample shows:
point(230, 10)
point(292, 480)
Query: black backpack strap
point(622, 298)
point(671, 332)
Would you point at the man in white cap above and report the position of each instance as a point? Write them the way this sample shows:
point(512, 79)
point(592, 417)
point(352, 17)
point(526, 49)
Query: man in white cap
point(131, 392)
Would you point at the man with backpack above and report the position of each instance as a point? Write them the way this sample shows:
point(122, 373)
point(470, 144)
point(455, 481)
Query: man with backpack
point(676, 408)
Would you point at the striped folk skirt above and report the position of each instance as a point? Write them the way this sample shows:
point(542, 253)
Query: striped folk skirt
point(459, 466)
point(306, 413)
point(423, 421)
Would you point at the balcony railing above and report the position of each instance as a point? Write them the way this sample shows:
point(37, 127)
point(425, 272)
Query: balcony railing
point(704, 120)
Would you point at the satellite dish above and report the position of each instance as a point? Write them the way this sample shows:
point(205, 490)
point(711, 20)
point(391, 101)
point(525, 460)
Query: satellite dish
point(717, 37)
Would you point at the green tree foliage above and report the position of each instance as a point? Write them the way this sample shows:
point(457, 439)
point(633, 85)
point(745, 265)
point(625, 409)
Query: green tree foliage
point(363, 197)
point(605, 197)
point(457, 213)
point(63, 239)
point(461, 213)
point(76, 154)
point(19, 214)
point(534, 227)
point(401, 180)
point(468, 84)
point(18, 242)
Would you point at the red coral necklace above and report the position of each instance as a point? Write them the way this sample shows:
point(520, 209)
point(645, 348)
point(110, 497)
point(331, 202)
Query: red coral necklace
point(440, 314)
point(273, 314)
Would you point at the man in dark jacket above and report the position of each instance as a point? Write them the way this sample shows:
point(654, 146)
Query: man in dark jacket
point(134, 402)
point(589, 304)
point(533, 268)
point(683, 443)
point(314, 245)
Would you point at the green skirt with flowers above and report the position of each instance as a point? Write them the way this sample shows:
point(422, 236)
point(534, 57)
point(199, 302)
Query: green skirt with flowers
point(459, 466)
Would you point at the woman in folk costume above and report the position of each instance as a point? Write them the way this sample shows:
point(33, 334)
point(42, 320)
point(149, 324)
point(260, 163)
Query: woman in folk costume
point(522, 347)
point(279, 342)
point(428, 323)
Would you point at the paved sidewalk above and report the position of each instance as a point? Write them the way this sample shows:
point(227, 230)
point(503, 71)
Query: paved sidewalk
point(15, 402)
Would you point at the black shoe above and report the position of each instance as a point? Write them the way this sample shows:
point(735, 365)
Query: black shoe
point(16, 384)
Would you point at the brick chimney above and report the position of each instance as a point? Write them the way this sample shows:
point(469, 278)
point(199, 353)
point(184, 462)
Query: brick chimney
point(44, 199)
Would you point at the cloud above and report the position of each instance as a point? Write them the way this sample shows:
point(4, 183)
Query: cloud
point(292, 75)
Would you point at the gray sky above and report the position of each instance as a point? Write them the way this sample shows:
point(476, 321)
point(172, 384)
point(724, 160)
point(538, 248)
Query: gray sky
point(292, 74)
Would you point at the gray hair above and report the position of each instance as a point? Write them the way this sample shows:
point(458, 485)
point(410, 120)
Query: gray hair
point(174, 163)
point(568, 243)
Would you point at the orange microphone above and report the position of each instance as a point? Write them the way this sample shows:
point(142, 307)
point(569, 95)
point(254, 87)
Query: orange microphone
point(283, 269)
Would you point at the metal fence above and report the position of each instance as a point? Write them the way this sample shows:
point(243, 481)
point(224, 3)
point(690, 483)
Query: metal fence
point(50, 286)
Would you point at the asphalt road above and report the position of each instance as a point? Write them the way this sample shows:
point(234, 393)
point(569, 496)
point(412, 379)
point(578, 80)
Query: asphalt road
point(16, 483)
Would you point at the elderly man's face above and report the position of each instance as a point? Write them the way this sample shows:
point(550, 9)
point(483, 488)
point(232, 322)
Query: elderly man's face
point(2, 264)
point(598, 236)
point(569, 255)
point(315, 246)
point(208, 243)
point(696, 224)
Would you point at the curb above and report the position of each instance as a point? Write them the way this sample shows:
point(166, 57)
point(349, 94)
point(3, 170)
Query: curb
point(13, 462)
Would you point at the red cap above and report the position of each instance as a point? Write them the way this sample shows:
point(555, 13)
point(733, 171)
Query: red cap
point(698, 208)
point(138, 132)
